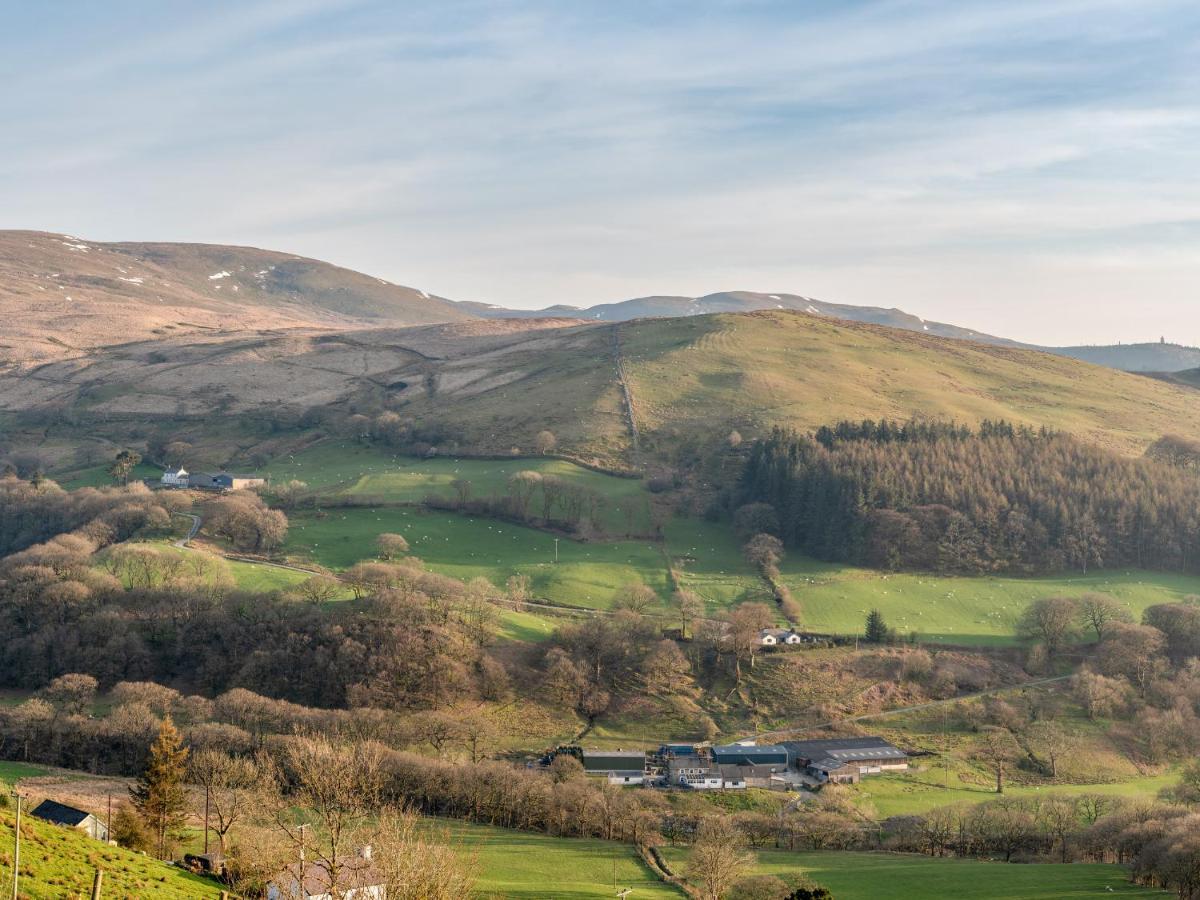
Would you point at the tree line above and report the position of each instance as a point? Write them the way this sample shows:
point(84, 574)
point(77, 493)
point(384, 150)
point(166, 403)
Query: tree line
point(947, 498)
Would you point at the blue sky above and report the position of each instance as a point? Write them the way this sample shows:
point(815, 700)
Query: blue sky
point(1026, 168)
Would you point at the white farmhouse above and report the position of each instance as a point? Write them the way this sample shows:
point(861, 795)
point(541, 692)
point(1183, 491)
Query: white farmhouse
point(175, 477)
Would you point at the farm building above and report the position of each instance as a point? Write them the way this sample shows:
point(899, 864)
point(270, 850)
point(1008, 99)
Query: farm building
point(175, 478)
point(846, 760)
point(769, 755)
point(618, 766)
point(356, 880)
point(751, 765)
point(775, 637)
point(224, 481)
point(81, 820)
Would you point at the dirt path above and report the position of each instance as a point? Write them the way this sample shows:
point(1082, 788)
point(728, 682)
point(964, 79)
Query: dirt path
point(623, 379)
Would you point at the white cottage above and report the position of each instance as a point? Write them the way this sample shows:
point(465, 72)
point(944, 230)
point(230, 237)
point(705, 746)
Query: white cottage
point(175, 477)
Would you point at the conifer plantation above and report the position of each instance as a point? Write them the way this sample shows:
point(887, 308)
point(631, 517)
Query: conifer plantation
point(948, 498)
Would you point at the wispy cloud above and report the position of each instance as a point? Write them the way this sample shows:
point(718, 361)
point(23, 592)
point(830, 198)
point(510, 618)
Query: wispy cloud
point(1014, 166)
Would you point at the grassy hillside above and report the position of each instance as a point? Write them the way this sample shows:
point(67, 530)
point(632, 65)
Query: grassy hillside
point(695, 376)
point(59, 863)
point(491, 386)
point(63, 295)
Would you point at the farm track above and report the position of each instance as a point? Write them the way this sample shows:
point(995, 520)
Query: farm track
point(626, 391)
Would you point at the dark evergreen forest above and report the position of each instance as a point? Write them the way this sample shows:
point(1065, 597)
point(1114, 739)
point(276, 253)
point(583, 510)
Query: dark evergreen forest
point(948, 498)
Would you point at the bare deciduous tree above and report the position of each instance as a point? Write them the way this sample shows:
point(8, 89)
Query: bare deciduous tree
point(717, 860)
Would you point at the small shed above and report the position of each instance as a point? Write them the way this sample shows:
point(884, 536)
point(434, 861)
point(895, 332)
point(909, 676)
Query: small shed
point(71, 817)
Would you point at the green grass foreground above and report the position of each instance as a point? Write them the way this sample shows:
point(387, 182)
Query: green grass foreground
point(58, 863)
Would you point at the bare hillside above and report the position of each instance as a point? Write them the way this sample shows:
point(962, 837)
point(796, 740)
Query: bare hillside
point(491, 385)
point(61, 295)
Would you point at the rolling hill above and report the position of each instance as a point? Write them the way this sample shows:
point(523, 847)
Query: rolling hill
point(739, 301)
point(1147, 358)
point(61, 296)
point(488, 386)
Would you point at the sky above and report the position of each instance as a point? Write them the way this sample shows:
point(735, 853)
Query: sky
point(1028, 169)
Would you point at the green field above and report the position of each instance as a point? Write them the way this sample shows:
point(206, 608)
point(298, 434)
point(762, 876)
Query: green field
point(12, 772)
point(698, 377)
point(981, 610)
point(538, 867)
point(587, 574)
point(341, 468)
point(868, 876)
point(914, 793)
point(525, 626)
point(257, 578)
point(520, 864)
point(710, 563)
point(59, 863)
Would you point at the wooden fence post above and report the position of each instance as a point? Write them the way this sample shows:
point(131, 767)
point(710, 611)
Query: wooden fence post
point(97, 884)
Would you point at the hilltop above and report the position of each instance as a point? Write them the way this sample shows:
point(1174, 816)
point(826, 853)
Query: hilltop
point(63, 296)
point(740, 301)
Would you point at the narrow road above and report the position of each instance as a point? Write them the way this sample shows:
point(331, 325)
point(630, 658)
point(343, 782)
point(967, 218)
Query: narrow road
point(183, 542)
point(932, 704)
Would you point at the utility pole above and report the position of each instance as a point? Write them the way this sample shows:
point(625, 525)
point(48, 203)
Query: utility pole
point(303, 830)
point(108, 822)
point(17, 849)
point(97, 884)
point(556, 550)
point(207, 795)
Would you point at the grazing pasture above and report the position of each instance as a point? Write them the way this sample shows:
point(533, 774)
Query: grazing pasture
point(333, 469)
point(978, 610)
point(587, 573)
point(867, 876)
point(520, 864)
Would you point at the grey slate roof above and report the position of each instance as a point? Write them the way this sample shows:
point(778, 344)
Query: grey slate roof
point(844, 750)
point(60, 813)
point(614, 761)
point(733, 754)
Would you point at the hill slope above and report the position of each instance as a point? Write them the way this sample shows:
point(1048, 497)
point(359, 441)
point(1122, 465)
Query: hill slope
point(492, 385)
point(1157, 357)
point(60, 295)
point(59, 862)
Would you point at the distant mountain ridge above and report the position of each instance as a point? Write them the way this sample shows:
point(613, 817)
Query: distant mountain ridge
point(1147, 358)
point(741, 301)
point(62, 295)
